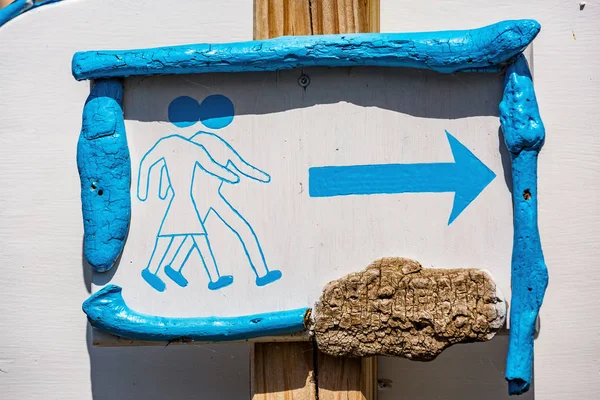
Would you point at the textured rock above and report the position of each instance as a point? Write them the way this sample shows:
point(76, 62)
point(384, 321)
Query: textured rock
point(396, 308)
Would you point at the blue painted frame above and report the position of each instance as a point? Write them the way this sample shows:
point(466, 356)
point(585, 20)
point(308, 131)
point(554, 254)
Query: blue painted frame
point(489, 49)
point(105, 175)
point(19, 7)
point(524, 135)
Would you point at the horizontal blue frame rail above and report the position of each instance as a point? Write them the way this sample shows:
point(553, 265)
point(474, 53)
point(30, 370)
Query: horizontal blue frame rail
point(106, 310)
point(485, 49)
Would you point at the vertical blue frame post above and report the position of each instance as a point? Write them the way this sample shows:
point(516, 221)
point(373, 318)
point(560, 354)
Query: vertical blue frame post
point(105, 175)
point(524, 135)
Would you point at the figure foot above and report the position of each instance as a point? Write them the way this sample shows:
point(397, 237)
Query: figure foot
point(176, 276)
point(222, 282)
point(270, 277)
point(153, 280)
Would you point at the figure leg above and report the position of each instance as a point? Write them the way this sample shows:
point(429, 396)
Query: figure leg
point(181, 248)
point(161, 247)
point(208, 259)
point(243, 230)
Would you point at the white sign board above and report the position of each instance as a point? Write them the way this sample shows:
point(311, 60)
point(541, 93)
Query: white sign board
point(266, 235)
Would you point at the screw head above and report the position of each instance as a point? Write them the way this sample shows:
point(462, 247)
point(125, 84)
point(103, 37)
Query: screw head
point(303, 81)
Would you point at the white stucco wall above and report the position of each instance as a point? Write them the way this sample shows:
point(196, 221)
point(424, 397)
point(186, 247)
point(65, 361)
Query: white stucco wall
point(44, 346)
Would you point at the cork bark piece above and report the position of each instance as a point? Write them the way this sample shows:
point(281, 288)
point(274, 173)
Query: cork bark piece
point(397, 308)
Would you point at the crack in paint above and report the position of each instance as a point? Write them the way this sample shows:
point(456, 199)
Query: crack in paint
point(105, 175)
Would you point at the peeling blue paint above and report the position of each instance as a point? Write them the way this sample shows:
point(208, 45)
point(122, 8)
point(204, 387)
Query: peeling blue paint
point(107, 311)
point(485, 49)
point(524, 135)
point(18, 7)
point(105, 174)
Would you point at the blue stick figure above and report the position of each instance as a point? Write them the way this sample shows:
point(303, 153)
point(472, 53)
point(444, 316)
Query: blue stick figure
point(206, 163)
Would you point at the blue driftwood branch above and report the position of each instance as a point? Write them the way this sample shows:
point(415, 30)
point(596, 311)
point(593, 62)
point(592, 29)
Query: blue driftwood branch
point(483, 49)
point(107, 311)
point(14, 9)
point(105, 175)
point(524, 135)
point(18, 7)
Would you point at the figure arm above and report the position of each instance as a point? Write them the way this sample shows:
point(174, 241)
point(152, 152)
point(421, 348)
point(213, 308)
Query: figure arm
point(239, 164)
point(247, 169)
point(165, 183)
point(209, 165)
point(150, 159)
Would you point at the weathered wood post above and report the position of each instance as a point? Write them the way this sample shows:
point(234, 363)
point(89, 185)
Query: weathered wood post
point(297, 370)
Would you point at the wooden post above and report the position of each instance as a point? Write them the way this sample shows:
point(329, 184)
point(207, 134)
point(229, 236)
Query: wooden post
point(296, 370)
point(283, 371)
point(341, 378)
point(273, 18)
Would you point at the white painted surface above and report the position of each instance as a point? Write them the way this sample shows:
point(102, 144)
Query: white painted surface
point(43, 337)
point(345, 117)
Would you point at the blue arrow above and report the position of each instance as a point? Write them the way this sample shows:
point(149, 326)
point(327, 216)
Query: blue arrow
point(466, 177)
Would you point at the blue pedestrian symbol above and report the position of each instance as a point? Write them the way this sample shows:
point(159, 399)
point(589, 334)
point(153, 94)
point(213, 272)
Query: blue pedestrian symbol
point(193, 170)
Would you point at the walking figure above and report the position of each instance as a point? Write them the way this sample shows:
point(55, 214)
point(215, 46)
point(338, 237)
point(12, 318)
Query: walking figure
point(193, 172)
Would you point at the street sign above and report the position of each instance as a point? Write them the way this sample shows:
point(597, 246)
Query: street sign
point(251, 192)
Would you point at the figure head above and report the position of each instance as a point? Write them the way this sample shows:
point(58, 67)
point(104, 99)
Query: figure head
point(215, 112)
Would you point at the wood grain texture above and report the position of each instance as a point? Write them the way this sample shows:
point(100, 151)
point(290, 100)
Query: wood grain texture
point(344, 16)
point(273, 18)
point(283, 371)
point(369, 372)
point(342, 378)
point(286, 371)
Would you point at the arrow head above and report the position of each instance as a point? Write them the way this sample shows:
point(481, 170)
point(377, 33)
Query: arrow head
point(472, 177)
